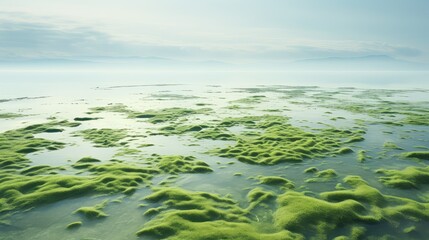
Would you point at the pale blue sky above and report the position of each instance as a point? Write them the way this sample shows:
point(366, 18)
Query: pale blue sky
point(223, 30)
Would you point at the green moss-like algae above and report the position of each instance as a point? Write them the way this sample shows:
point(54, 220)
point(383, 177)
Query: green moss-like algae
point(175, 164)
point(187, 215)
point(82, 119)
point(198, 215)
point(169, 114)
point(276, 180)
point(323, 176)
point(391, 145)
point(10, 115)
point(410, 177)
point(201, 131)
point(74, 225)
point(355, 207)
point(103, 137)
point(419, 154)
point(281, 142)
point(361, 156)
point(20, 191)
point(301, 213)
point(152, 115)
point(250, 100)
point(92, 212)
point(15, 144)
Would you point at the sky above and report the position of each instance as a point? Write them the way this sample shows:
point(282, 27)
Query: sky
point(232, 31)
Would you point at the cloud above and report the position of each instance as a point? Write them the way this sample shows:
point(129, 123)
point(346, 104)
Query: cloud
point(23, 39)
point(27, 37)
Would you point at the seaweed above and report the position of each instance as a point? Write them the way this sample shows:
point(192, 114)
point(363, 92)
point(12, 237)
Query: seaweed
point(103, 137)
point(200, 215)
point(174, 164)
point(15, 144)
point(280, 142)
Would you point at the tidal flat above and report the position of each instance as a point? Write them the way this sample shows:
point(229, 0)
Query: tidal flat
point(178, 161)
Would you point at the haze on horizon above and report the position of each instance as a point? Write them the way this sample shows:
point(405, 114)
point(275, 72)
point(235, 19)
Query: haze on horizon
point(223, 33)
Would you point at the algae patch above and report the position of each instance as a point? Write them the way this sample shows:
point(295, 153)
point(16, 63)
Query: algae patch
point(199, 215)
point(180, 164)
point(15, 144)
point(281, 142)
point(104, 137)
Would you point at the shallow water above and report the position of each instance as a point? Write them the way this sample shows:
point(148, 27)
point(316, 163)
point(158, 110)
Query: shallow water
point(72, 96)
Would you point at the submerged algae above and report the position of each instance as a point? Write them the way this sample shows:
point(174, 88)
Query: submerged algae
point(93, 212)
point(152, 115)
point(169, 114)
point(420, 155)
point(14, 144)
point(10, 115)
point(74, 225)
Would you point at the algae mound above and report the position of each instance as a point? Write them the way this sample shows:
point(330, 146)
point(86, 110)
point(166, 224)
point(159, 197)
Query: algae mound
point(103, 137)
point(20, 191)
point(410, 177)
point(420, 155)
point(280, 142)
point(152, 115)
point(199, 215)
point(15, 144)
point(180, 164)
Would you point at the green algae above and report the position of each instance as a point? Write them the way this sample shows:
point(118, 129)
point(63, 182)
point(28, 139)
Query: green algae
point(417, 119)
point(15, 144)
point(199, 215)
point(116, 108)
point(153, 115)
point(250, 100)
point(424, 155)
point(280, 142)
point(410, 177)
point(311, 170)
point(169, 114)
point(103, 137)
point(391, 145)
point(323, 176)
point(37, 170)
point(85, 162)
point(356, 207)
point(20, 191)
point(200, 131)
point(74, 225)
point(10, 115)
point(256, 197)
point(170, 96)
point(410, 229)
point(175, 164)
point(398, 113)
point(297, 214)
point(83, 119)
point(361, 156)
point(276, 180)
point(93, 212)
point(300, 213)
